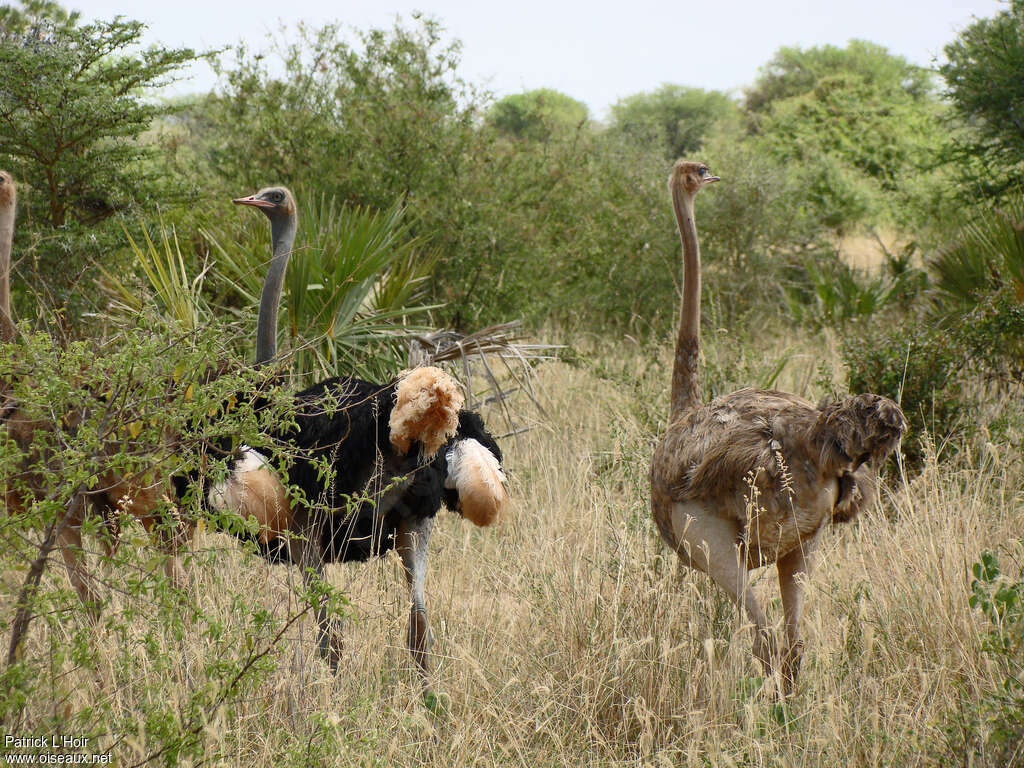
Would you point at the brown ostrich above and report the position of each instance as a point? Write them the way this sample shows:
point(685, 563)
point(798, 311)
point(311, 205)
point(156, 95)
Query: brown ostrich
point(8, 205)
point(112, 492)
point(753, 477)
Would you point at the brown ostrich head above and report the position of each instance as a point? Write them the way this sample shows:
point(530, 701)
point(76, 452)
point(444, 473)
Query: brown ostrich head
point(7, 194)
point(690, 177)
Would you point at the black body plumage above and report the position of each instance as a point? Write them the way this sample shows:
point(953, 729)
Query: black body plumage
point(357, 488)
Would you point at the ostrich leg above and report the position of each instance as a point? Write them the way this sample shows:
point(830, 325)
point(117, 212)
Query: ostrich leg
point(794, 568)
point(413, 538)
point(308, 554)
point(710, 544)
point(70, 542)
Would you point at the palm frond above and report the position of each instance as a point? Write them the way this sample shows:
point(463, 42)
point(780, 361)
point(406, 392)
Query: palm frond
point(353, 287)
point(175, 297)
point(987, 255)
point(839, 293)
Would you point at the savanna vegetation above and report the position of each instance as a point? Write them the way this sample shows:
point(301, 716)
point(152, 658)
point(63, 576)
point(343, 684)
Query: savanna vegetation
point(867, 235)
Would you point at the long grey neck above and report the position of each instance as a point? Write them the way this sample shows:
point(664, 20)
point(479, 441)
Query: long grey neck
point(7, 330)
point(282, 232)
point(686, 392)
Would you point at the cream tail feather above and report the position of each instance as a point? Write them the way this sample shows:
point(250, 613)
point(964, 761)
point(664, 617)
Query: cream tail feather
point(476, 474)
point(253, 489)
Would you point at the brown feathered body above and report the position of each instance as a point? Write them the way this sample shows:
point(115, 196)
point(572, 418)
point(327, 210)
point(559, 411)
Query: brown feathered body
point(773, 464)
point(752, 477)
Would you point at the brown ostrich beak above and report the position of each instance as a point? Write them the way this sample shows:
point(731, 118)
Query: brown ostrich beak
point(253, 201)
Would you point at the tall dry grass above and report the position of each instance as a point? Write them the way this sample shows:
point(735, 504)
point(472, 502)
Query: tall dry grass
point(569, 636)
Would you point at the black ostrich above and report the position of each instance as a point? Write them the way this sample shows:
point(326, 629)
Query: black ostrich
point(394, 452)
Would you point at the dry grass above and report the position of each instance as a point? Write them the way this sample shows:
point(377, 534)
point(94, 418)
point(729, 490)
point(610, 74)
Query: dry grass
point(568, 636)
point(867, 252)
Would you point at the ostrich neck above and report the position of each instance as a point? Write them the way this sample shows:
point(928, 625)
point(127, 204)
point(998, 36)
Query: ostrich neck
point(685, 375)
point(6, 238)
point(282, 230)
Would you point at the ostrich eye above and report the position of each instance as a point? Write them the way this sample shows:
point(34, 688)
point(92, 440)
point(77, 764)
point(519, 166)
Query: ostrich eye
point(278, 197)
point(703, 171)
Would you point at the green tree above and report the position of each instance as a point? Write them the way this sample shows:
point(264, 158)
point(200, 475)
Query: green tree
point(16, 22)
point(796, 71)
point(73, 102)
point(864, 124)
point(984, 75)
point(537, 114)
point(385, 118)
point(675, 116)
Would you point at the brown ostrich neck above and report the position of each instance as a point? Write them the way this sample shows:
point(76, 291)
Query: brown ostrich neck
point(685, 375)
point(7, 330)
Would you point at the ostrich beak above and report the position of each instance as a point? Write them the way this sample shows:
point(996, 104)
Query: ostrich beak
point(253, 201)
point(707, 180)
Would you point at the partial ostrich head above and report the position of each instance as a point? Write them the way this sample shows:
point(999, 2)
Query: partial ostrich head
point(7, 193)
point(279, 206)
point(8, 204)
point(690, 177)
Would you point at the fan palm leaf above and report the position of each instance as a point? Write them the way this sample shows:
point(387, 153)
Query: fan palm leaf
point(352, 290)
point(987, 255)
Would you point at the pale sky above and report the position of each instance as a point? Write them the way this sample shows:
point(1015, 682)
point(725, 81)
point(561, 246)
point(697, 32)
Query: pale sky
point(596, 52)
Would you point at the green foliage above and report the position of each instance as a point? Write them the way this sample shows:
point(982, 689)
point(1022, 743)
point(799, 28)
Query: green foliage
point(73, 103)
point(757, 213)
point(537, 114)
point(987, 254)
point(177, 298)
point(994, 726)
point(573, 217)
point(352, 290)
point(16, 22)
point(915, 364)
point(839, 293)
point(384, 119)
point(352, 294)
point(366, 123)
point(525, 228)
point(796, 72)
point(978, 290)
point(859, 121)
point(984, 75)
point(676, 117)
point(992, 336)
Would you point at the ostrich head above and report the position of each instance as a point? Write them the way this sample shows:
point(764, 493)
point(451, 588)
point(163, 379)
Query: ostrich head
point(690, 177)
point(275, 202)
point(7, 194)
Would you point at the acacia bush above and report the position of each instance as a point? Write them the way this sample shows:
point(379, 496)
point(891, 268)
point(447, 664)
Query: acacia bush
point(991, 730)
point(915, 364)
point(992, 336)
point(75, 100)
point(369, 121)
point(143, 405)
